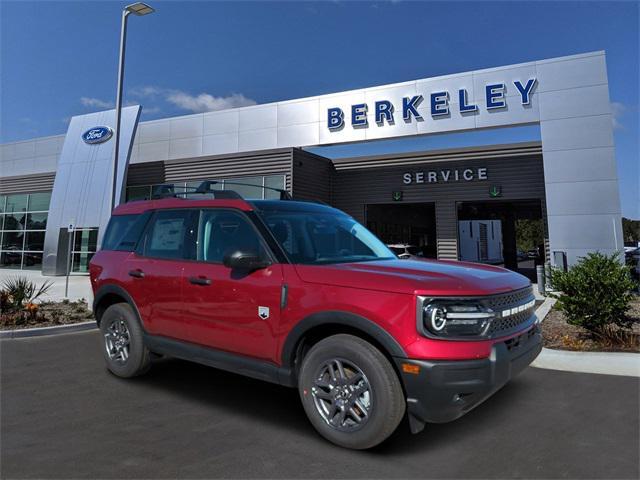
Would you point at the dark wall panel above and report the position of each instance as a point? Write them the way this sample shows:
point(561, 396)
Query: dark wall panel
point(257, 163)
point(27, 184)
point(312, 176)
point(271, 162)
point(145, 173)
point(356, 184)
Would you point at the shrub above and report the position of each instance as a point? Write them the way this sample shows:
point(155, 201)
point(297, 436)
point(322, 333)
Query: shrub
point(595, 293)
point(18, 292)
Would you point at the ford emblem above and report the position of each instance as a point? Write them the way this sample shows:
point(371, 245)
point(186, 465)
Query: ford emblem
point(97, 135)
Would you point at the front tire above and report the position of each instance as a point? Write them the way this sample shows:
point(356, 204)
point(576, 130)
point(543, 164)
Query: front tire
point(350, 392)
point(123, 342)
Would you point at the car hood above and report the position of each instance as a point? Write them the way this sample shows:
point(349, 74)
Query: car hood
point(420, 277)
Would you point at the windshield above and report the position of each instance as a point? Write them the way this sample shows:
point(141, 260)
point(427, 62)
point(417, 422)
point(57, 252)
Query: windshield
point(322, 236)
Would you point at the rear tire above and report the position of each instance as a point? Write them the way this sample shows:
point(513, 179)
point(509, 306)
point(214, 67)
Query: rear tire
point(350, 392)
point(123, 342)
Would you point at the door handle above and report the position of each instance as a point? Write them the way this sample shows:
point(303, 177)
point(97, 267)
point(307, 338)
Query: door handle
point(137, 273)
point(200, 280)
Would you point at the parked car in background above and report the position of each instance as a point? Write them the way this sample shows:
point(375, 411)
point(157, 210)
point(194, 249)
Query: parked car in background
point(302, 295)
point(632, 259)
point(405, 251)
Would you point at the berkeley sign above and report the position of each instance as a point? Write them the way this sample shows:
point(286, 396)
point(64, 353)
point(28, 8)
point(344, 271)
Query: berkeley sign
point(384, 110)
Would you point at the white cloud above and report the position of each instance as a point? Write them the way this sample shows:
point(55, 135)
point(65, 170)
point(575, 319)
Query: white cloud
point(146, 91)
point(95, 103)
point(617, 110)
point(205, 102)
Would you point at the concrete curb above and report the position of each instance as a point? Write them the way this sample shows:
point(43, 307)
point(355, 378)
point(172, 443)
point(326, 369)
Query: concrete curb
point(606, 363)
point(42, 331)
point(543, 310)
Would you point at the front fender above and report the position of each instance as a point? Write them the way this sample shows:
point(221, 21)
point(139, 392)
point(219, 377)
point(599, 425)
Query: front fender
point(338, 318)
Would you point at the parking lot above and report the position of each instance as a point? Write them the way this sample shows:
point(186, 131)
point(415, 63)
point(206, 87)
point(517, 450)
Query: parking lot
point(64, 416)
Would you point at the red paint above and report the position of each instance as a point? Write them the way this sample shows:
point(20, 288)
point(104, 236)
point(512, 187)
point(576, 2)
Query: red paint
point(224, 315)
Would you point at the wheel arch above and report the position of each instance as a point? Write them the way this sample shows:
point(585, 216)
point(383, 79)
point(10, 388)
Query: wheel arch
point(110, 295)
point(320, 325)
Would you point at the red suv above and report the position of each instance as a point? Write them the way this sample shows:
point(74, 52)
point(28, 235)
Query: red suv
point(302, 295)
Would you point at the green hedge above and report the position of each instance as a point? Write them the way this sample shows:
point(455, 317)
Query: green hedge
point(595, 292)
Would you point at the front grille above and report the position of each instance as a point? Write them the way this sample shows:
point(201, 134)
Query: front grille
point(499, 303)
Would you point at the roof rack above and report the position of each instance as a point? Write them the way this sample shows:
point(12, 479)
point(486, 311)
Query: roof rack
point(168, 191)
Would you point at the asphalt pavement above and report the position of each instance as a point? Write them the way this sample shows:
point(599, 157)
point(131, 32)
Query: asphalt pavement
point(64, 416)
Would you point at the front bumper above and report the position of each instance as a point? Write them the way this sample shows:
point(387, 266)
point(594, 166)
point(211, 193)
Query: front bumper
point(445, 390)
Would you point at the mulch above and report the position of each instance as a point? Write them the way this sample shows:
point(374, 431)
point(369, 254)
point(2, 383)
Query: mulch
point(560, 335)
point(49, 314)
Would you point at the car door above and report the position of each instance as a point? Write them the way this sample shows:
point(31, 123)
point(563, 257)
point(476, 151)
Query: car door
point(155, 270)
point(235, 311)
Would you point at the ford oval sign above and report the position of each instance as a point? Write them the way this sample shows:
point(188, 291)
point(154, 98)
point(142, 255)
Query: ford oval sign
point(97, 135)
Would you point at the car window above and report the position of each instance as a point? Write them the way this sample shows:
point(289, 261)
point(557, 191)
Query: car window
point(224, 231)
point(172, 235)
point(123, 232)
point(323, 237)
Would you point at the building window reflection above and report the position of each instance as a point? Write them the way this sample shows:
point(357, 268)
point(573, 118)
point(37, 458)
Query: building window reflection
point(23, 221)
point(255, 190)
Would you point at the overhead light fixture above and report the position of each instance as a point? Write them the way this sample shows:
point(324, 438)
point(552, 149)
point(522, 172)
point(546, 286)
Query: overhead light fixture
point(139, 9)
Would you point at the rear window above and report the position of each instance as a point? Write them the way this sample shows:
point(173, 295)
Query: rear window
point(124, 231)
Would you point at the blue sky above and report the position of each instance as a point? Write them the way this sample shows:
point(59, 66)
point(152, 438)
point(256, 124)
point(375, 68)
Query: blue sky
point(59, 59)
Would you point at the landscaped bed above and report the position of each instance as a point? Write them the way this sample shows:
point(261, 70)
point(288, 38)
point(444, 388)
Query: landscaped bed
point(558, 334)
point(47, 314)
point(22, 306)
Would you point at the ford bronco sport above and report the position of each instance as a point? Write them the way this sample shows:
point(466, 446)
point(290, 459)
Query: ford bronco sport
point(300, 294)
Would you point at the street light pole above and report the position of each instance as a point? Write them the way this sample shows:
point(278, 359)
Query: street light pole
point(137, 9)
point(123, 41)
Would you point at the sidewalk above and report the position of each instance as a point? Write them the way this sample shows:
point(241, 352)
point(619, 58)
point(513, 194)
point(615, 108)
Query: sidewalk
point(79, 285)
point(607, 363)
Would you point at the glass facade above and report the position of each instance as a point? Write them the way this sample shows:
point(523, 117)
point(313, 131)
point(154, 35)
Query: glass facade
point(253, 191)
point(85, 242)
point(23, 221)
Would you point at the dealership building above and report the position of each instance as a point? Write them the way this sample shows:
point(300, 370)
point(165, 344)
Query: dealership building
point(511, 204)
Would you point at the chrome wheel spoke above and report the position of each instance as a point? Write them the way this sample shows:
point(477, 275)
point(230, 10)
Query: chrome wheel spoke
point(356, 416)
point(318, 392)
point(332, 372)
point(355, 379)
point(361, 407)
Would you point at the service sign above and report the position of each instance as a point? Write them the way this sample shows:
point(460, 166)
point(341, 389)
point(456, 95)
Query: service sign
point(97, 135)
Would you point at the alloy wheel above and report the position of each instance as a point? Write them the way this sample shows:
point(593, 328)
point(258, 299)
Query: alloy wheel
point(342, 395)
point(116, 341)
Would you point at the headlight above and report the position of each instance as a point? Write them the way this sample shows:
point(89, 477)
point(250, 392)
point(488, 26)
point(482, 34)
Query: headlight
point(456, 319)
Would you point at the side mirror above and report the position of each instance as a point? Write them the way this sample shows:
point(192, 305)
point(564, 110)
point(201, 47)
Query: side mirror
point(245, 260)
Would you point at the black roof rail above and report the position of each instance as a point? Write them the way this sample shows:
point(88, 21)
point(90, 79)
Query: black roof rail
point(205, 187)
point(168, 190)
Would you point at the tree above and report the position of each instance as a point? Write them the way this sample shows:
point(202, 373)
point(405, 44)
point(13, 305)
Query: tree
point(630, 230)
